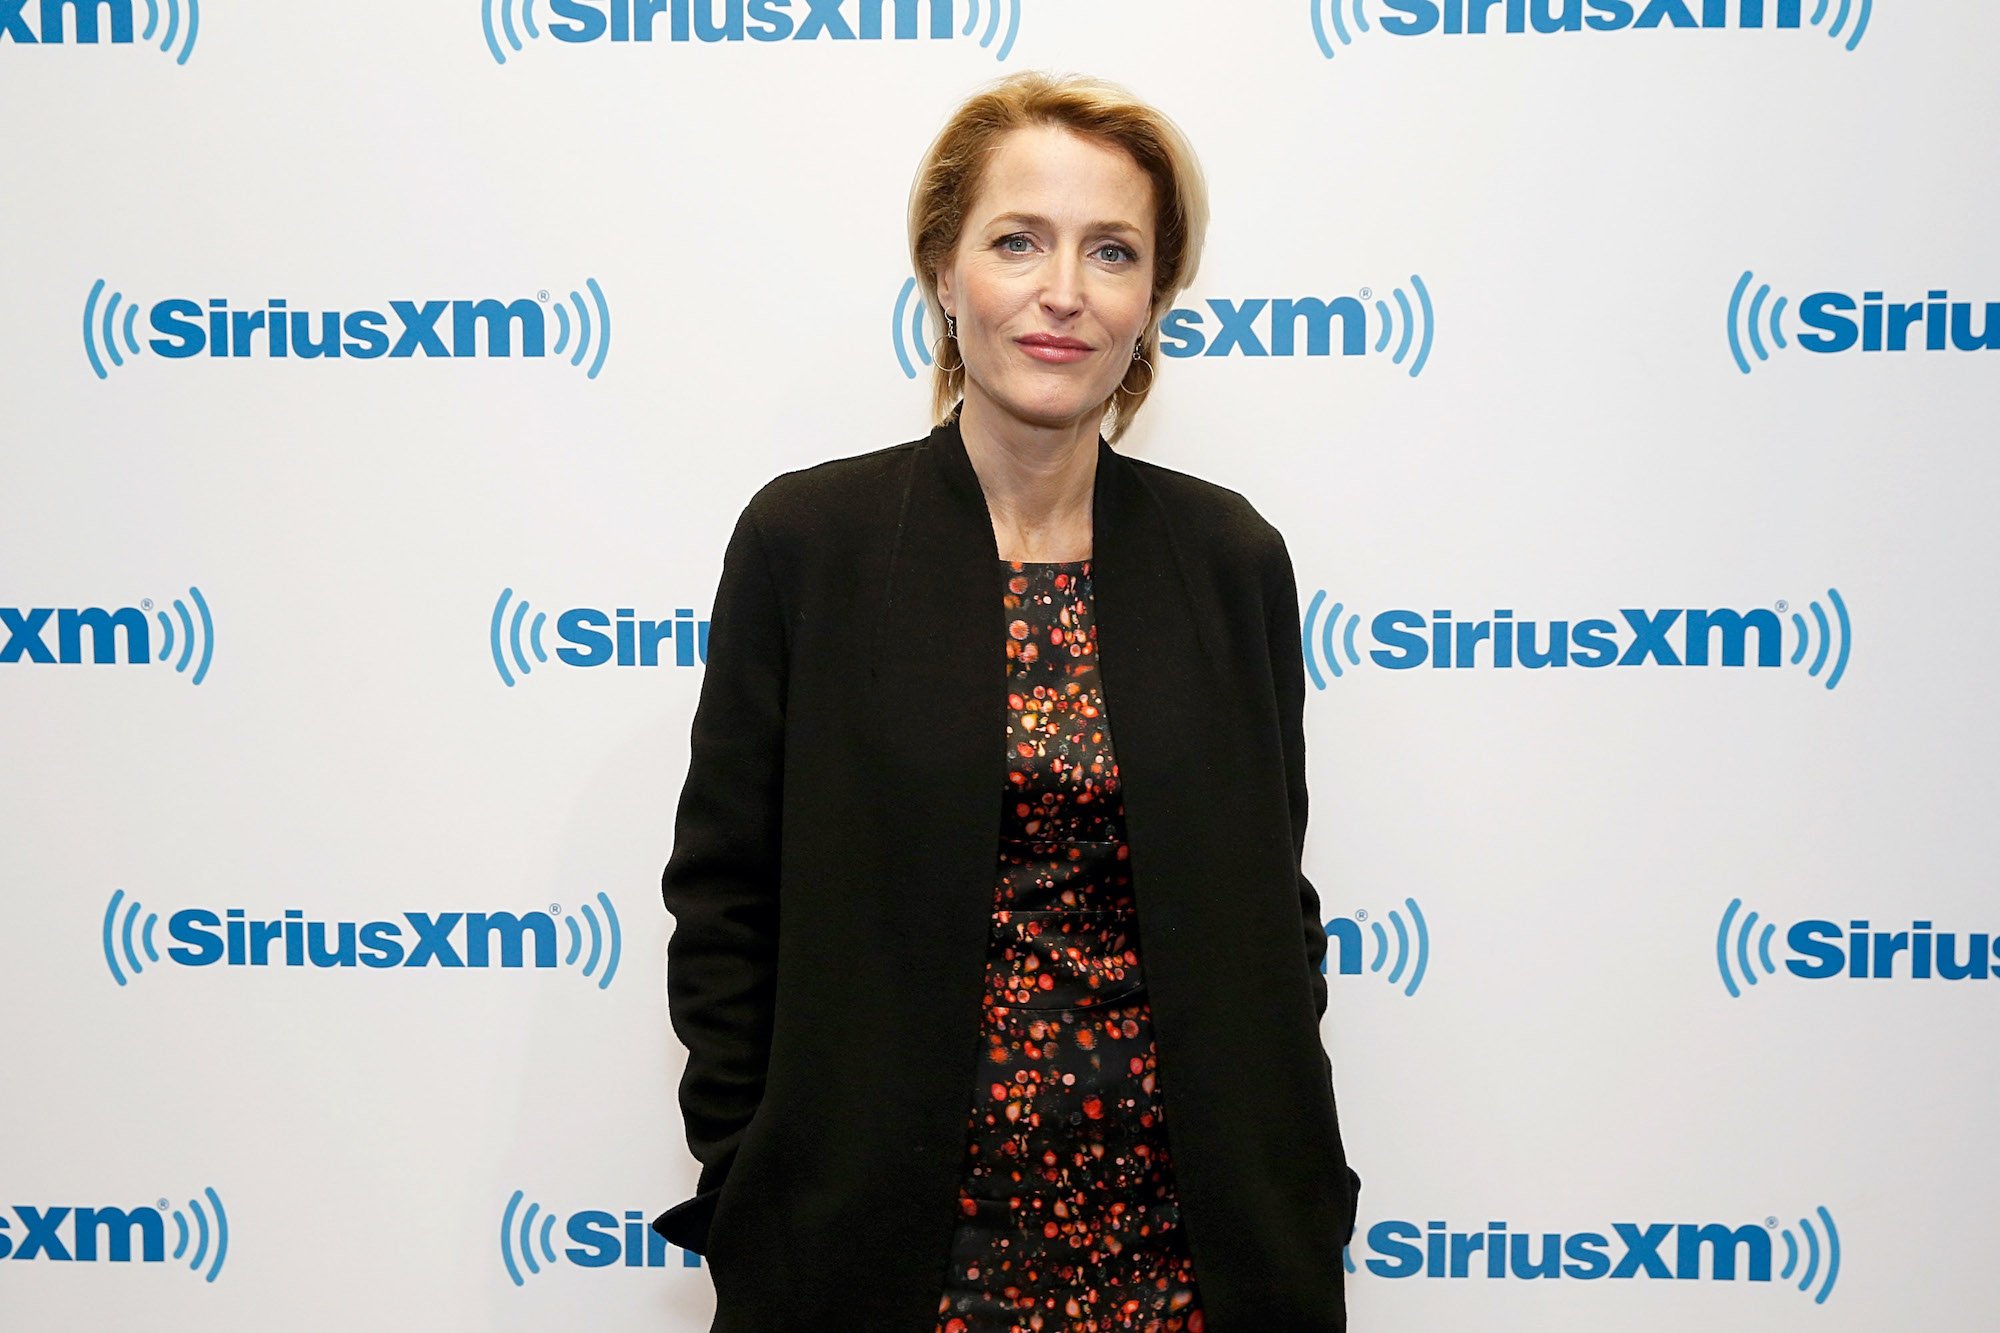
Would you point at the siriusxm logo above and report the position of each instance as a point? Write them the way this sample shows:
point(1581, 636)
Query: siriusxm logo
point(92, 22)
point(1361, 325)
point(121, 1235)
point(596, 1239)
point(489, 327)
point(593, 638)
point(1838, 322)
point(1819, 950)
point(120, 636)
point(509, 23)
point(1668, 637)
point(1342, 21)
point(1305, 326)
point(1662, 1251)
point(201, 937)
point(1408, 956)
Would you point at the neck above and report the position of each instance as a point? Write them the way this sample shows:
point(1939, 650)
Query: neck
point(1039, 480)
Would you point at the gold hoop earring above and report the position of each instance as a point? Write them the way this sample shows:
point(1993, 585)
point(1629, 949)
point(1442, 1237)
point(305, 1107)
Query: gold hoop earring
point(1138, 360)
point(951, 332)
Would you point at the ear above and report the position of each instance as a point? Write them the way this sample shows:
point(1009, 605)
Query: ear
point(944, 293)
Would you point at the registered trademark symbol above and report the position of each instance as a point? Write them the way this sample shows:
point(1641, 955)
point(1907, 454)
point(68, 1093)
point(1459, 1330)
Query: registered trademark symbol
point(164, 1205)
point(1366, 292)
point(1771, 1222)
point(1784, 605)
point(145, 603)
point(555, 909)
point(542, 295)
point(1361, 914)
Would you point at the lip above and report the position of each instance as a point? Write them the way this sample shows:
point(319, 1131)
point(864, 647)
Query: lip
point(1050, 347)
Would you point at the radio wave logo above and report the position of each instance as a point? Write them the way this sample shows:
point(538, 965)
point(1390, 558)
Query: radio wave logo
point(1406, 323)
point(589, 637)
point(1330, 16)
point(201, 1253)
point(202, 937)
point(173, 22)
point(196, 635)
point(1328, 641)
point(1733, 942)
point(1859, 11)
point(508, 25)
point(1807, 1239)
point(1828, 641)
point(1821, 638)
point(96, 636)
point(593, 1238)
point(517, 643)
point(1337, 23)
point(1407, 955)
point(1405, 638)
point(106, 330)
point(120, 920)
point(1401, 325)
point(182, 327)
point(587, 333)
point(1749, 321)
point(1658, 1251)
point(107, 1235)
point(606, 941)
point(1835, 321)
point(523, 1243)
point(907, 333)
point(990, 33)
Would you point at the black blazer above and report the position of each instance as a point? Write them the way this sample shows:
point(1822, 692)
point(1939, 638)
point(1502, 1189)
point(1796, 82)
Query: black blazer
point(832, 873)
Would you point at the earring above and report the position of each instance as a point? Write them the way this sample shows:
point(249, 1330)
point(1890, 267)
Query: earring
point(1138, 360)
point(951, 332)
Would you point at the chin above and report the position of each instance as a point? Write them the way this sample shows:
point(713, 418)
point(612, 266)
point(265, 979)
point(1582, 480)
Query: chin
point(1053, 405)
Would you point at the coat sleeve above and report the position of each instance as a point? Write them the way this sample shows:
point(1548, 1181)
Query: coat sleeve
point(1281, 609)
point(721, 879)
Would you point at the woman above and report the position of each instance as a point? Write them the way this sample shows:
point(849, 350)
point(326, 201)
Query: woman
point(998, 974)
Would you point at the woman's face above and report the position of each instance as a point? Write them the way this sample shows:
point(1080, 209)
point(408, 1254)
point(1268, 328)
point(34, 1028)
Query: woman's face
point(1052, 277)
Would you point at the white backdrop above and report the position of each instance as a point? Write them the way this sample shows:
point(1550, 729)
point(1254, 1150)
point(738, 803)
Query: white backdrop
point(351, 736)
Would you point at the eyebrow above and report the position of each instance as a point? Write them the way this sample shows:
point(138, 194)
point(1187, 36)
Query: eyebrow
point(1038, 219)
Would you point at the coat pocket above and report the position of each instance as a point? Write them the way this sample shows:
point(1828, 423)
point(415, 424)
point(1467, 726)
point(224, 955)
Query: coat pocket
point(686, 1223)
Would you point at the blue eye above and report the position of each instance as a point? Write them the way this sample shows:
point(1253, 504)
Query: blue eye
point(1017, 236)
point(1118, 249)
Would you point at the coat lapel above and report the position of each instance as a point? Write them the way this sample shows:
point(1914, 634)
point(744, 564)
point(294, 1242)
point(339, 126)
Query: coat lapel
point(1160, 694)
point(943, 628)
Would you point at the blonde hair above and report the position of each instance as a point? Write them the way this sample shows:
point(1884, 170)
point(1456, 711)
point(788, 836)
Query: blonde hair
point(949, 177)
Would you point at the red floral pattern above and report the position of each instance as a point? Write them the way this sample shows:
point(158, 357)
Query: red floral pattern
point(1068, 1216)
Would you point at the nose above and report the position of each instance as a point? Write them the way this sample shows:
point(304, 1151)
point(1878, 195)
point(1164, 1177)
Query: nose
point(1062, 294)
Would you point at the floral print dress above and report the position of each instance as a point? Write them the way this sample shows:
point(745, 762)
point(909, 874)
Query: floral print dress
point(1068, 1218)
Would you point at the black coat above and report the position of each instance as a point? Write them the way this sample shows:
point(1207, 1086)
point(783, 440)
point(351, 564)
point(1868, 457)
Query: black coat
point(832, 876)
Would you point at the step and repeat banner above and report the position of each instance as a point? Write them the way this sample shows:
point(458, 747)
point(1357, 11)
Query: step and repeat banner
point(382, 382)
